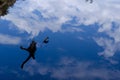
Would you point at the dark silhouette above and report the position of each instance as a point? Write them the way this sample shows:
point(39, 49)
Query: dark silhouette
point(45, 41)
point(91, 1)
point(31, 49)
point(5, 5)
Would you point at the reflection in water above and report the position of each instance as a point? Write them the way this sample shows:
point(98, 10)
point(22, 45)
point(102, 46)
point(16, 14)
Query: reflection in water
point(4, 6)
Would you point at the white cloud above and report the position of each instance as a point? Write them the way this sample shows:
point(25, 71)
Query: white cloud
point(112, 44)
point(72, 29)
point(108, 45)
point(7, 39)
point(57, 12)
point(69, 68)
point(112, 30)
point(52, 14)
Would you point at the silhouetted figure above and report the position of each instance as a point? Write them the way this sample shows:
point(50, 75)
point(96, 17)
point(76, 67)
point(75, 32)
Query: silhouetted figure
point(31, 49)
point(91, 1)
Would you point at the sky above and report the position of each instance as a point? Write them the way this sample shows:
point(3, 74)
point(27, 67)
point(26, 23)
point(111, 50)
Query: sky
point(84, 40)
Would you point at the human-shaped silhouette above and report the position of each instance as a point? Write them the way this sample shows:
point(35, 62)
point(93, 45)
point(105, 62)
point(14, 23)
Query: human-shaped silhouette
point(31, 49)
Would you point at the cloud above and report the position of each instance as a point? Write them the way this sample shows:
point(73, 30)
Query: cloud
point(69, 68)
point(34, 16)
point(7, 39)
point(72, 29)
point(112, 44)
point(6, 72)
point(108, 39)
point(108, 45)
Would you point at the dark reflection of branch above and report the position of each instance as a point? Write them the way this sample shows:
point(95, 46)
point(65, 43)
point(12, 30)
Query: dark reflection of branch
point(91, 1)
point(4, 6)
